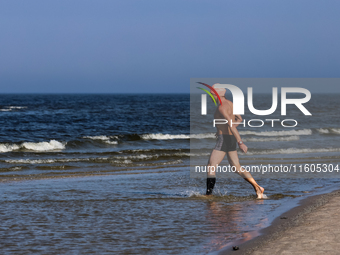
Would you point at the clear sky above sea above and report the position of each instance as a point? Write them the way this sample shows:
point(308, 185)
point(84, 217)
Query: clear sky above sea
point(156, 46)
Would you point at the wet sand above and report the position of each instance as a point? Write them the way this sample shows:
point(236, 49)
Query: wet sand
point(311, 228)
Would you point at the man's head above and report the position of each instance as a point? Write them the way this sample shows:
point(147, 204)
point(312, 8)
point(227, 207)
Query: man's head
point(220, 91)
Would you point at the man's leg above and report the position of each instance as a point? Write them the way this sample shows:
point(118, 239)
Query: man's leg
point(215, 159)
point(234, 161)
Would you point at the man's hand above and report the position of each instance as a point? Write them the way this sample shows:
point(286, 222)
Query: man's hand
point(243, 148)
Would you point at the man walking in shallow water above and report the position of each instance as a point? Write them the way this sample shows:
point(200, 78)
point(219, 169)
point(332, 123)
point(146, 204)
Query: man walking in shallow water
point(227, 137)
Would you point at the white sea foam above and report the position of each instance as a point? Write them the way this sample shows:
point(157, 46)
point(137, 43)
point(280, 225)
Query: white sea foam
point(44, 161)
point(295, 133)
point(10, 108)
point(329, 130)
point(126, 161)
point(98, 137)
point(201, 136)
point(8, 147)
point(336, 130)
point(181, 154)
point(163, 137)
point(111, 142)
point(161, 163)
point(172, 162)
point(41, 146)
point(17, 107)
point(278, 133)
point(160, 136)
point(155, 155)
point(44, 146)
point(323, 130)
point(103, 138)
point(192, 193)
point(17, 168)
point(30, 161)
point(139, 156)
point(270, 139)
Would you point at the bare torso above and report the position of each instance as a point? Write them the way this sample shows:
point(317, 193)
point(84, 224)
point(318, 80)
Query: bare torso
point(224, 128)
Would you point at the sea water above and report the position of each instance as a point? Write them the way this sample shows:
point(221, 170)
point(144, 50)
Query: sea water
point(109, 174)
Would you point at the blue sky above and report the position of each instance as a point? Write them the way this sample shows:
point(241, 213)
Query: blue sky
point(80, 46)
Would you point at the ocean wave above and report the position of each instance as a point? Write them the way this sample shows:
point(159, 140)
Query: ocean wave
point(97, 137)
point(160, 136)
point(184, 154)
point(292, 151)
point(121, 162)
point(44, 161)
point(40, 146)
point(10, 169)
point(111, 142)
point(112, 160)
point(29, 161)
point(155, 150)
point(278, 133)
point(202, 136)
point(10, 108)
point(163, 137)
point(179, 161)
point(164, 155)
point(44, 146)
point(57, 160)
point(138, 157)
point(323, 130)
point(9, 147)
point(335, 131)
point(270, 139)
point(292, 134)
point(103, 138)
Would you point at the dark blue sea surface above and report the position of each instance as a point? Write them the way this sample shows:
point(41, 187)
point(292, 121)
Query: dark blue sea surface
point(109, 174)
point(70, 117)
point(72, 131)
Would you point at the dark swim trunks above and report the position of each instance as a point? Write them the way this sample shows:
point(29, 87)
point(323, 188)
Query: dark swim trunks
point(226, 143)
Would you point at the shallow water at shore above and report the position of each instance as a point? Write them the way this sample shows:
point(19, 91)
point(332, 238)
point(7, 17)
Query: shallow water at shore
point(163, 213)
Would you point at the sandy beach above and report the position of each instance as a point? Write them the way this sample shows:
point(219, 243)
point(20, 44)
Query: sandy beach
point(311, 228)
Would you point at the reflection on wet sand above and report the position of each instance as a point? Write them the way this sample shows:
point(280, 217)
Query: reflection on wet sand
point(232, 220)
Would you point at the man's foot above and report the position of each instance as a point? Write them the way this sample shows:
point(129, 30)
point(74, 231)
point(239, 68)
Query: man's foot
point(259, 193)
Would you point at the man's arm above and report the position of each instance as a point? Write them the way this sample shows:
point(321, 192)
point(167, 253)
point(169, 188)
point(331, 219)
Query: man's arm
point(233, 129)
